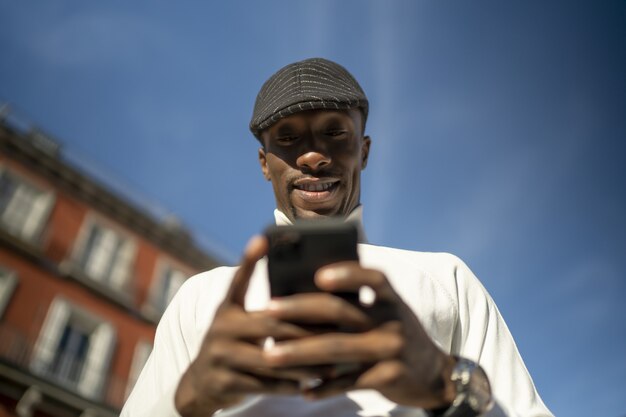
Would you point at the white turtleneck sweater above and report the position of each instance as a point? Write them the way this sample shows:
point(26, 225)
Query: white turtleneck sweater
point(452, 305)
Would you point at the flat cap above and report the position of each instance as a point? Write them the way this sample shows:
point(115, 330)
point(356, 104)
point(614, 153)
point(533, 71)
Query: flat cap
point(312, 84)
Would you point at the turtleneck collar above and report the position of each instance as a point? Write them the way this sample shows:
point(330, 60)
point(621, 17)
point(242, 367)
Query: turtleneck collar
point(356, 216)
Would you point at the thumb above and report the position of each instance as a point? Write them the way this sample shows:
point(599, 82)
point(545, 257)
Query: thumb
point(255, 250)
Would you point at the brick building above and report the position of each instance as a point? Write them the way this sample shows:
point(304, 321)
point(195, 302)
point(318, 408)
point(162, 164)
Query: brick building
point(84, 277)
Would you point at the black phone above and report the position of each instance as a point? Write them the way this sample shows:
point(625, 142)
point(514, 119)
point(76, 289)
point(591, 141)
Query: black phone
point(296, 252)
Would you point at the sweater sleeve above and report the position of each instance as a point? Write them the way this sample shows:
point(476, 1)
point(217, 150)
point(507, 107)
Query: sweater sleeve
point(483, 336)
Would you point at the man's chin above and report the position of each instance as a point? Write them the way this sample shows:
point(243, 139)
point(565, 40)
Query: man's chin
point(320, 214)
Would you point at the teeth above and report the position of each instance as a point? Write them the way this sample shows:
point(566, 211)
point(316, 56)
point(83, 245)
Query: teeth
point(315, 187)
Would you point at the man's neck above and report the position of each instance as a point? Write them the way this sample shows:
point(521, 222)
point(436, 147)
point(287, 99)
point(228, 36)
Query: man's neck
point(355, 216)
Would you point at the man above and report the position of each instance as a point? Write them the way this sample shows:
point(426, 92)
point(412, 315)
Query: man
point(441, 349)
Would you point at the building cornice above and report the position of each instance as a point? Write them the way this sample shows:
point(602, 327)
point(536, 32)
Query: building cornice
point(49, 163)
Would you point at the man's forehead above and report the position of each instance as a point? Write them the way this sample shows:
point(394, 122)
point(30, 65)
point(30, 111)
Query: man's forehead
point(317, 116)
point(351, 118)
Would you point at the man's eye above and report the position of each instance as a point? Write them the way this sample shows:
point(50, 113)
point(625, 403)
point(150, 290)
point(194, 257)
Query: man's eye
point(336, 133)
point(287, 139)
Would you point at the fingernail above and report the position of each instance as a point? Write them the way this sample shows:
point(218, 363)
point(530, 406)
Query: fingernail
point(328, 275)
point(268, 344)
point(275, 305)
point(306, 385)
point(276, 352)
point(254, 249)
point(250, 242)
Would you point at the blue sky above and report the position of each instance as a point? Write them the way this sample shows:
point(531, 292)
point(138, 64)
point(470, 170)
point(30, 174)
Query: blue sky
point(497, 129)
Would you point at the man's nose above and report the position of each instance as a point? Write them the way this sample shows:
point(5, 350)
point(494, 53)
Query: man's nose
point(313, 160)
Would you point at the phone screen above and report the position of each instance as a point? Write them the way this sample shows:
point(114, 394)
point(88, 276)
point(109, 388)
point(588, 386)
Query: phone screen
point(296, 252)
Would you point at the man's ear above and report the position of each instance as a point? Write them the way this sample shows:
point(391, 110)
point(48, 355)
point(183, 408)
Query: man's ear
point(365, 151)
point(263, 162)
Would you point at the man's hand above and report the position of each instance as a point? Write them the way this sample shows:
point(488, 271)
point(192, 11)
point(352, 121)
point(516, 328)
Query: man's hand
point(231, 363)
point(397, 357)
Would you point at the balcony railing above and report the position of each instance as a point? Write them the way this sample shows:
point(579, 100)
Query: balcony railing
point(66, 373)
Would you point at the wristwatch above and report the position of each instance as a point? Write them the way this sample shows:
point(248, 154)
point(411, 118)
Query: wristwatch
point(473, 392)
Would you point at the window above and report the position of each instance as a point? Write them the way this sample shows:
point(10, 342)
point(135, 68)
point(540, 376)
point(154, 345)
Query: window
point(142, 352)
point(74, 349)
point(69, 356)
point(105, 255)
point(23, 207)
point(8, 281)
point(171, 280)
point(166, 283)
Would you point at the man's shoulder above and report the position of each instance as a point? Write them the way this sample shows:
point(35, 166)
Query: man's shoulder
point(447, 270)
point(210, 281)
point(198, 297)
point(432, 261)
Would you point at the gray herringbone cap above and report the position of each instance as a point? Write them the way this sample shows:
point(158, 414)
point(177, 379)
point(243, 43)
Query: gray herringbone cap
point(312, 84)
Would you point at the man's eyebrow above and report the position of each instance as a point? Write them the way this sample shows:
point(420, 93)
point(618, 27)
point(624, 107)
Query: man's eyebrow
point(285, 128)
point(333, 121)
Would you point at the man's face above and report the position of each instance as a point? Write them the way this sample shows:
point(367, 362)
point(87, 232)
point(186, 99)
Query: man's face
point(314, 161)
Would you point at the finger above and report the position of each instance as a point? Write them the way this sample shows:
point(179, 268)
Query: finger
point(350, 276)
point(255, 250)
point(331, 387)
point(249, 358)
point(298, 374)
point(225, 383)
point(319, 308)
point(375, 345)
point(383, 375)
point(238, 324)
point(278, 386)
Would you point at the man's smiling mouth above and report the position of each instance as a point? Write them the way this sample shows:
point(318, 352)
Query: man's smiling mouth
point(315, 190)
point(315, 187)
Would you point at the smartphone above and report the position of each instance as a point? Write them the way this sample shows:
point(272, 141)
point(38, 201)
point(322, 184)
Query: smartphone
point(296, 252)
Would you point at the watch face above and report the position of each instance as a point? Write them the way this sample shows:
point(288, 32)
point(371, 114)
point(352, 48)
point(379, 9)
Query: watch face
point(473, 389)
point(479, 395)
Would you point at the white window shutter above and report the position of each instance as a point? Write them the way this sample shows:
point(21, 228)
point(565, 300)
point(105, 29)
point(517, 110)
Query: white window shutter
point(17, 209)
point(176, 281)
point(142, 352)
point(8, 282)
point(101, 345)
point(101, 254)
point(120, 272)
point(39, 211)
point(50, 334)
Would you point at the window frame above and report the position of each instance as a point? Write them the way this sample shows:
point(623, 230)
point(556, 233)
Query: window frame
point(120, 270)
point(102, 341)
point(32, 227)
point(157, 291)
